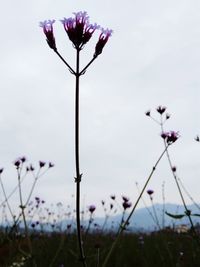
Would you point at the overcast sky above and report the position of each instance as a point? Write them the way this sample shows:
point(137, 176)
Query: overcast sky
point(153, 58)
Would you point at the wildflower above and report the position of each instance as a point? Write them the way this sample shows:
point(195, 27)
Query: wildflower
point(197, 138)
point(150, 192)
point(161, 109)
point(92, 208)
point(174, 168)
point(51, 165)
point(47, 26)
point(23, 159)
point(170, 137)
point(1, 170)
point(32, 168)
point(17, 163)
point(125, 199)
point(113, 197)
point(78, 29)
point(103, 38)
point(148, 113)
point(126, 205)
point(42, 164)
point(102, 202)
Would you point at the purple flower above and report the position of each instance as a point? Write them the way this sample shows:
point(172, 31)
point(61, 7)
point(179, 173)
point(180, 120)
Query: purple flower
point(150, 192)
point(174, 168)
point(92, 208)
point(78, 29)
point(113, 197)
point(170, 137)
point(161, 109)
point(125, 199)
point(148, 113)
point(126, 205)
point(51, 165)
point(103, 38)
point(1, 170)
point(17, 163)
point(42, 164)
point(47, 26)
point(197, 138)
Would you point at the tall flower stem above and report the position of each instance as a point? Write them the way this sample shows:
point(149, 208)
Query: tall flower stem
point(78, 174)
point(123, 226)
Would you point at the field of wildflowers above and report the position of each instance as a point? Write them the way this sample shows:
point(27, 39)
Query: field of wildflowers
point(38, 235)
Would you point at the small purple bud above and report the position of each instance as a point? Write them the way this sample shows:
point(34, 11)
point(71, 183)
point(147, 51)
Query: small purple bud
point(92, 208)
point(113, 197)
point(197, 138)
point(150, 192)
point(167, 116)
point(125, 199)
point(51, 165)
point(126, 205)
point(1, 170)
point(174, 168)
point(42, 164)
point(161, 109)
point(148, 113)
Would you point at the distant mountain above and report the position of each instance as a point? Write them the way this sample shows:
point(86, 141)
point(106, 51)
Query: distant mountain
point(144, 219)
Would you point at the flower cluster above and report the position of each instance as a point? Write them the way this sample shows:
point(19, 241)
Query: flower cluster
point(170, 137)
point(126, 203)
point(79, 31)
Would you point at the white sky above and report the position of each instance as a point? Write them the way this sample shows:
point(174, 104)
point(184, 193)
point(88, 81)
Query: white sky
point(153, 58)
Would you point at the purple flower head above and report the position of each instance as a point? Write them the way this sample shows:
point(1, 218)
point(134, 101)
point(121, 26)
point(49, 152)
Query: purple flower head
point(148, 113)
point(42, 164)
point(111, 206)
point(102, 202)
point(47, 26)
point(113, 197)
point(32, 168)
point(170, 137)
point(103, 38)
point(125, 199)
point(126, 205)
point(197, 138)
point(23, 159)
point(1, 170)
point(17, 163)
point(51, 165)
point(167, 116)
point(92, 208)
point(150, 192)
point(78, 29)
point(161, 109)
point(174, 168)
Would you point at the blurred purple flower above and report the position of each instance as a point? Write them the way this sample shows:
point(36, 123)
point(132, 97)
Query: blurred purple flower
point(42, 163)
point(150, 192)
point(126, 205)
point(92, 208)
point(161, 109)
point(170, 137)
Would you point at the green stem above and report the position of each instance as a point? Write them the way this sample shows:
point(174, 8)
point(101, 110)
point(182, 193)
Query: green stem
point(123, 227)
point(78, 175)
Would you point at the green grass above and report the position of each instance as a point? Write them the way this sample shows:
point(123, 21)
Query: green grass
point(158, 249)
